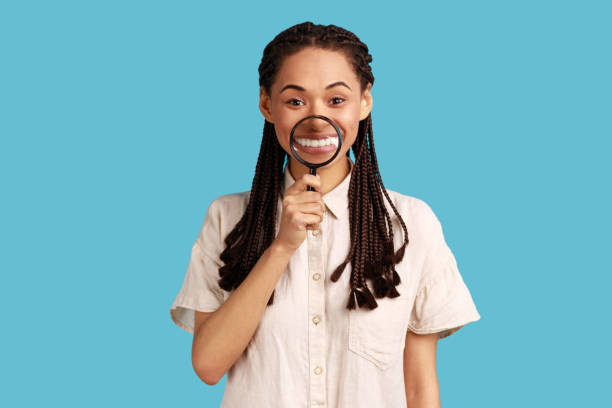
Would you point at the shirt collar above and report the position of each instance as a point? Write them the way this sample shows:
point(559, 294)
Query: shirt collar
point(335, 200)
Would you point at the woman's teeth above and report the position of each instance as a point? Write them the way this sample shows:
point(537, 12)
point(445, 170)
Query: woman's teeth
point(318, 142)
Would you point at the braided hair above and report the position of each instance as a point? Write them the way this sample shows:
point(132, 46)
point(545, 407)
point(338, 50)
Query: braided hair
point(371, 250)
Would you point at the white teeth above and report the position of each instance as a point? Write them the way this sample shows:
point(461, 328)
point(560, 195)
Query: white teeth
point(319, 142)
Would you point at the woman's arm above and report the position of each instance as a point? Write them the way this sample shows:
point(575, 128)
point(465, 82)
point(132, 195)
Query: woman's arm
point(420, 377)
point(220, 337)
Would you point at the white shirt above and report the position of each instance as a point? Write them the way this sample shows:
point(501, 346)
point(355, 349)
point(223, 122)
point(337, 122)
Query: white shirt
point(309, 350)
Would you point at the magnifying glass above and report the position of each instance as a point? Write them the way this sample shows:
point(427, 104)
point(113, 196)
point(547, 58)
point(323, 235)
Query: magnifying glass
point(315, 141)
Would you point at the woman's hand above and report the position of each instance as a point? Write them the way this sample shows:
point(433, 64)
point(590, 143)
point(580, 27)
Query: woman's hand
point(302, 211)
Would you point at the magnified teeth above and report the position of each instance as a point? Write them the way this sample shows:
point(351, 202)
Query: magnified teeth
point(318, 142)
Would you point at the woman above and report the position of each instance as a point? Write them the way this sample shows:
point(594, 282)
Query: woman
point(318, 298)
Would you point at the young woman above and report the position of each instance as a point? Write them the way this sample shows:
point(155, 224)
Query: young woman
point(319, 298)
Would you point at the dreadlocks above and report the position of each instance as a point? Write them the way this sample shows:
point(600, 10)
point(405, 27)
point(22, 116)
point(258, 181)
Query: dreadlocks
point(371, 250)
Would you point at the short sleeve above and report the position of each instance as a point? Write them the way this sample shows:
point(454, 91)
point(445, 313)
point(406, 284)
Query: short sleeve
point(443, 303)
point(200, 290)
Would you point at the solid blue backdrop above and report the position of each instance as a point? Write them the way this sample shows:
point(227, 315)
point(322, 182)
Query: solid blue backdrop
point(121, 121)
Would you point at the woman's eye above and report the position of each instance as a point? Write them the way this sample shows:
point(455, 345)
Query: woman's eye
point(334, 101)
point(290, 102)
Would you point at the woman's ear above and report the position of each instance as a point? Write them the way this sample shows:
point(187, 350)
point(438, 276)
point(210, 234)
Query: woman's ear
point(265, 104)
point(366, 102)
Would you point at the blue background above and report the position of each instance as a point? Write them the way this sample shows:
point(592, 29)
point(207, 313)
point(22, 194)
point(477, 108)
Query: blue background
point(120, 121)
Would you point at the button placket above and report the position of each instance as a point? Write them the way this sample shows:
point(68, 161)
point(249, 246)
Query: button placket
point(316, 311)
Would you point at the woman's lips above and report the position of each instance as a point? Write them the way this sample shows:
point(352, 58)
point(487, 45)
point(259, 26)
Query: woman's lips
point(332, 147)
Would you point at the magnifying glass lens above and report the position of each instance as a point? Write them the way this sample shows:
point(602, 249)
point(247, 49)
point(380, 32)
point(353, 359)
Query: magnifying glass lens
point(315, 140)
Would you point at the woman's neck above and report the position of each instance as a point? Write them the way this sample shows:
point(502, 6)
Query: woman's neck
point(330, 176)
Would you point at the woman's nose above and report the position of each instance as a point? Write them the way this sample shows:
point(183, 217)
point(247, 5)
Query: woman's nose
point(319, 107)
point(318, 125)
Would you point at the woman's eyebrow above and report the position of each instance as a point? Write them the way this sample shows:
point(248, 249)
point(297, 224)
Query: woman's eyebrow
point(299, 88)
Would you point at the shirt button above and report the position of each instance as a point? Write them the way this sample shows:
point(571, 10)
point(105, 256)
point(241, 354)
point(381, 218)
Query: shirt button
point(318, 370)
point(316, 232)
point(316, 276)
point(316, 319)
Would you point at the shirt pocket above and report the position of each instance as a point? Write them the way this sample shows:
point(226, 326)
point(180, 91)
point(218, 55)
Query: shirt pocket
point(378, 335)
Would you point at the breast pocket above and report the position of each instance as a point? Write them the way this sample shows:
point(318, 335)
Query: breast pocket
point(378, 335)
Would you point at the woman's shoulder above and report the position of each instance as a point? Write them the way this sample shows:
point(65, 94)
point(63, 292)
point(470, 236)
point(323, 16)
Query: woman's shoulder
point(231, 200)
point(221, 216)
point(416, 213)
point(408, 205)
point(230, 204)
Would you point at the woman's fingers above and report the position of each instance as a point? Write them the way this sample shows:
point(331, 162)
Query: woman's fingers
point(303, 182)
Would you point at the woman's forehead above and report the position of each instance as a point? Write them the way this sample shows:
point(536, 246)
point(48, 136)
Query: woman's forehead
point(315, 69)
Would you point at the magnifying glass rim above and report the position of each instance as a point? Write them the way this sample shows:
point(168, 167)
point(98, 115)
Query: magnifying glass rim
point(297, 156)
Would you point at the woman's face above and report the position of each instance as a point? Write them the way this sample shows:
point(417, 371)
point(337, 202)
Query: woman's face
point(315, 81)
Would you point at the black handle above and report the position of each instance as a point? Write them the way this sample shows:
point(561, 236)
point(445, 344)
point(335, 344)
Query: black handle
point(313, 171)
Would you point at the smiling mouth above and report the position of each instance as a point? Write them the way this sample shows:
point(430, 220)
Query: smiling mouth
point(317, 141)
